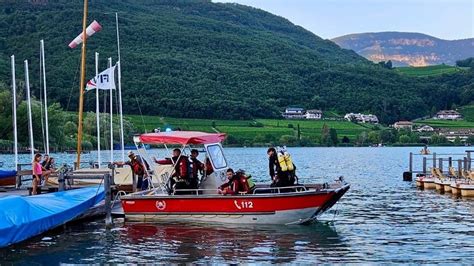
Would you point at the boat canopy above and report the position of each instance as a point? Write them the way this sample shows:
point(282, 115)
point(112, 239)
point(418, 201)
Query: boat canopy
point(182, 137)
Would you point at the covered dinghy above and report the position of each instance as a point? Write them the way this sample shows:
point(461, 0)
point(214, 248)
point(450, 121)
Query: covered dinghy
point(7, 177)
point(25, 217)
point(7, 173)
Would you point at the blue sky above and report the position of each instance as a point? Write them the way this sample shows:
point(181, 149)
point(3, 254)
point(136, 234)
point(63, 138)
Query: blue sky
point(446, 19)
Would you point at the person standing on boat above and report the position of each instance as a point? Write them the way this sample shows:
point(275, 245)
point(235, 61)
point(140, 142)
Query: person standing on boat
point(198, 167)
point(181, 172)
point(139, 169)
point(277, 176)
point(37, 172)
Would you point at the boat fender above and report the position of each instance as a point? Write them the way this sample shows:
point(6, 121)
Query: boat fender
point(407, 176)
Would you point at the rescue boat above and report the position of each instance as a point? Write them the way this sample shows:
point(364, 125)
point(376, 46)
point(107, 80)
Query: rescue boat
point(298, 204)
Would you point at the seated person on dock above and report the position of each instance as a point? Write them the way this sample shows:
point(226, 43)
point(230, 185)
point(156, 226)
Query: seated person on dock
point(425, 150)
point(235, 185)
point(198, 167)
point(139, 169)
point(48, 167)
point(180, 177)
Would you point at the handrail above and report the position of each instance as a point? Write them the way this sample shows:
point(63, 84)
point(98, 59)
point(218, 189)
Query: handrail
point(279, 189)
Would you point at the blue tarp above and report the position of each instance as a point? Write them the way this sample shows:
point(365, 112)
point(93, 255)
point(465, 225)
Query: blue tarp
point(25, 217)
point(7, 173)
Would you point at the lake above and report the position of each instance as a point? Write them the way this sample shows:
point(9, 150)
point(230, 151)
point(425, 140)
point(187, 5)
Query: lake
point(380, 219)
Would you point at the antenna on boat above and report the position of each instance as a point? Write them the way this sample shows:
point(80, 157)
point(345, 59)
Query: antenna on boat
point(97, 111)
point(15, 133)
point(81, 86)
point(45, 97)
point(30, 122)
point(119, 63)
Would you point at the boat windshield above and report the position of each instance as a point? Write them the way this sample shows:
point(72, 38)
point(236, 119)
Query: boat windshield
point(217, 156)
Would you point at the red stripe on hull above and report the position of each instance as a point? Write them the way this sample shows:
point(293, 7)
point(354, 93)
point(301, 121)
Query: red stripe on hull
point(224, 204)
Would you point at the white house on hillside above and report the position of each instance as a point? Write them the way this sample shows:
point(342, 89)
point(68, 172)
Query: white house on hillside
point(294, 113)
point(314, 114)
point(403, 125)
point(448, 115)
point(362, 118)
point(425, 128)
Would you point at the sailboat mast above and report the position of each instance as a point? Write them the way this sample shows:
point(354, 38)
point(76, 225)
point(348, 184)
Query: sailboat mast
point(111, 121)
point(119, 63)
point(45, 97)
point(97, 112)
point(15, 133)
point(81, 88)
point(30, 119)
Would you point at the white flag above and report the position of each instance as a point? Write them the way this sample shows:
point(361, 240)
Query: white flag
point(104, 81)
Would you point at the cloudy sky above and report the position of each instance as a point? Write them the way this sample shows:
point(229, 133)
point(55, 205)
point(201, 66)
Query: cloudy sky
point(446, 19)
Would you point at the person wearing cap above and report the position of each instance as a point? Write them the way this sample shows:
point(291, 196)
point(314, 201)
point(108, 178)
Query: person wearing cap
point(139, 168)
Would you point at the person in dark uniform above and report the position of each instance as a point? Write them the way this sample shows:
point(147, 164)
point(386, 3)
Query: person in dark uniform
point(198, 167)
point(278, 177)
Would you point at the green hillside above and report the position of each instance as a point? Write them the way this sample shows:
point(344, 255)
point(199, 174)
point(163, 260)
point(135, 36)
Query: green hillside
point(468, 112)
point(253, 131)
point(199, 59)
point(429, 70)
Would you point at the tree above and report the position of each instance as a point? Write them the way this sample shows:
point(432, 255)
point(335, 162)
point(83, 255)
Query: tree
point(299, 133)
point(345, 139)
point(457, 141)
point(470, 139)
point(333, 136)
point(374, 137)
point(404, 139)
point(387, 136)
point(325, 138)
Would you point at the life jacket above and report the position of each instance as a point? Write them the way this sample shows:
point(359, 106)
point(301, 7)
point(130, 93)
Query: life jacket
point(137, 167)
point(250, 182)
point(243, 184)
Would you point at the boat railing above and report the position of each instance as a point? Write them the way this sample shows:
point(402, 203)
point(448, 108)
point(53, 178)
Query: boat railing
point(279, 190)
point(258, 190)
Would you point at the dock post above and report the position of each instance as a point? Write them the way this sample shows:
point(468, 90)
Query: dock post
point(465, 164)
point(108, 199)
point(18, 177)
point(450, 162)
point(459, 167)
point(61, 181)
point(468, 160)
point(440, 164)
point(410, 167)
point(434, 159)
point(424, 165)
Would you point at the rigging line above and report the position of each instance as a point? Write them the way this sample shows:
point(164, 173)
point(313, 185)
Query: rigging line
point(141, 114)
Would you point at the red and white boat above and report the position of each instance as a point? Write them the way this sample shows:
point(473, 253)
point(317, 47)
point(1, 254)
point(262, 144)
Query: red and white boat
point(297, 204)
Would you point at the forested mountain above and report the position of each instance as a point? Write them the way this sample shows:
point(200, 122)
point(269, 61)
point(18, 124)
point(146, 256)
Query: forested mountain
point(407, 48)
point(210, 60)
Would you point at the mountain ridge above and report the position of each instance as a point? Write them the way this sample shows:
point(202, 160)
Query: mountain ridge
point(407, 48)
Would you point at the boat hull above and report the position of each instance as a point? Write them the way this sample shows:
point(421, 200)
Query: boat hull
point(467, 190)
point(285, 208)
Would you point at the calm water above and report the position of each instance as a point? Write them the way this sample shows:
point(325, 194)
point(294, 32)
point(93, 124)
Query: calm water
point(380, 219)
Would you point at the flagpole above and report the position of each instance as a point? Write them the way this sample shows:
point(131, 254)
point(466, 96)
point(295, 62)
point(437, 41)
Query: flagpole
point(97, 112)
point(111, 122)
point(30, 120)
point(15, 133)
point(119, 71)
point(45, 97)
point(81, 88)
